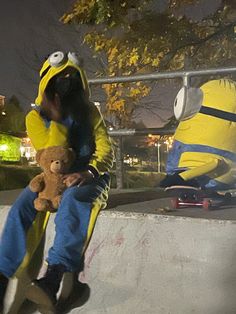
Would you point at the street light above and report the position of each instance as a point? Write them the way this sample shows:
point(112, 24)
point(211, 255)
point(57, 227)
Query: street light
point(158, 145)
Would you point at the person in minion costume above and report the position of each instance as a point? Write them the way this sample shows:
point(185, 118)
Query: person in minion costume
point(204, 149)
point(63, 115)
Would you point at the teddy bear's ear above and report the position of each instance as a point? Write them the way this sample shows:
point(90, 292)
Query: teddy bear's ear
point(38, 155)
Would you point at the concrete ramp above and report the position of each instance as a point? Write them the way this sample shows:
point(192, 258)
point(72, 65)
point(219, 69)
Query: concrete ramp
point(156, 264)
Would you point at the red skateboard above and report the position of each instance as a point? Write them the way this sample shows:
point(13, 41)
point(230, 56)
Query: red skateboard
point(188, 196)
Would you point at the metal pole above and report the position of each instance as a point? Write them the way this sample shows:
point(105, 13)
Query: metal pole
point(131, 132)
point(186, 80)
point(119, 164)
point(158, 158)
point(164, 75)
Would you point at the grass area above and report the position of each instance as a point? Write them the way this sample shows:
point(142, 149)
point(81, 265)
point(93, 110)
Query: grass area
point(17, 177)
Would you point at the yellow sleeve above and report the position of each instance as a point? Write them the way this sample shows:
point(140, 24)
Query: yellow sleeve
point(42, 136)
point(103, 157)
point(213, 168)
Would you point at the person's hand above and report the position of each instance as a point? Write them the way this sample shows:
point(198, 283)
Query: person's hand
point(52, 108)
point(77, 178)
point(55, 113)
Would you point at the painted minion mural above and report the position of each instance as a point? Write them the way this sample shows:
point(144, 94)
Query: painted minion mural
point(204, 150)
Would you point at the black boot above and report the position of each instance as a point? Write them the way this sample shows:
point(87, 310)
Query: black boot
point(43, 291)
point(73, 294)
point(3, 288)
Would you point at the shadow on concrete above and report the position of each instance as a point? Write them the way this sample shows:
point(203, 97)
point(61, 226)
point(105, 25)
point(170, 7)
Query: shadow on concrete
point(124, 197)
point(79, 296)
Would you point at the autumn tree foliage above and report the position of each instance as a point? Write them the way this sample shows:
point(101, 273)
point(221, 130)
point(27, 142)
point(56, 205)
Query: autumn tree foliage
point(142, 36)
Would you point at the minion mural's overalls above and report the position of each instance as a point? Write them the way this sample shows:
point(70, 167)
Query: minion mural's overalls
point(80, 205)
point(204, 149)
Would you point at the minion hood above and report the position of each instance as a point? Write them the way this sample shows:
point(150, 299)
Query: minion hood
point(56, 63)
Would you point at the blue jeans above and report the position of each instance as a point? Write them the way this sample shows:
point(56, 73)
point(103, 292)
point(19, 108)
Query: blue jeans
point(71, 226)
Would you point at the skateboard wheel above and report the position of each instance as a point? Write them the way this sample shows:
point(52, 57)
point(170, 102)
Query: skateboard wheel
point(175, 203)
point(206, 204)
point(228, 196)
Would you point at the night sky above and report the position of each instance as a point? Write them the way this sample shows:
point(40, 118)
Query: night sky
point(30, 30)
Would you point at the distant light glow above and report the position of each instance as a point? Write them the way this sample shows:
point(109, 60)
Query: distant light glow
point(3, 113)
point(27, 155)
point(3, 147)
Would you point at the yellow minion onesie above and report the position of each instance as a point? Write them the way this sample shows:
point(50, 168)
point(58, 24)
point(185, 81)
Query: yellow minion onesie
point(204, 150)
point(80, 205)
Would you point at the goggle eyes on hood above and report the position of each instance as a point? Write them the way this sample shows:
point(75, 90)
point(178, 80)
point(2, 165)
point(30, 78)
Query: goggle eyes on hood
point(58, 58)
point(75, 58)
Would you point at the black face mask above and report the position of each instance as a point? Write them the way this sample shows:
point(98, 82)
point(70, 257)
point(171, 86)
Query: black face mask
point(67, 85)
point(72, 95)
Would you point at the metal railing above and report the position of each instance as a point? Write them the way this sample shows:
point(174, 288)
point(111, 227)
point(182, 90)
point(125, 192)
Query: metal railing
point(185, 75)
point(131, 132)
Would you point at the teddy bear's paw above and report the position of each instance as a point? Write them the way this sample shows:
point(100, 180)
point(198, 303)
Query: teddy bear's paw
point(56, 201)
point(36, 186)
point(42, 204)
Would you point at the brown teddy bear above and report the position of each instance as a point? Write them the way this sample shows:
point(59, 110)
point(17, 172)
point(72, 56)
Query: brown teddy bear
point(55, 162)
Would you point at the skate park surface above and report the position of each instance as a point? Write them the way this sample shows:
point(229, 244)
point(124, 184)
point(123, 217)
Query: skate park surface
point(146, 258)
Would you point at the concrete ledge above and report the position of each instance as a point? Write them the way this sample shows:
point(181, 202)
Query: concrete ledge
point(157, 264)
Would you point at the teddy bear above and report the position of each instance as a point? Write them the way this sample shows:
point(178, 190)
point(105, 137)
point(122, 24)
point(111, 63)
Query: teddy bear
point(55, 162)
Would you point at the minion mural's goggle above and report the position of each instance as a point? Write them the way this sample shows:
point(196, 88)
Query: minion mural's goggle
point(56, 63)
point(188, 103)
